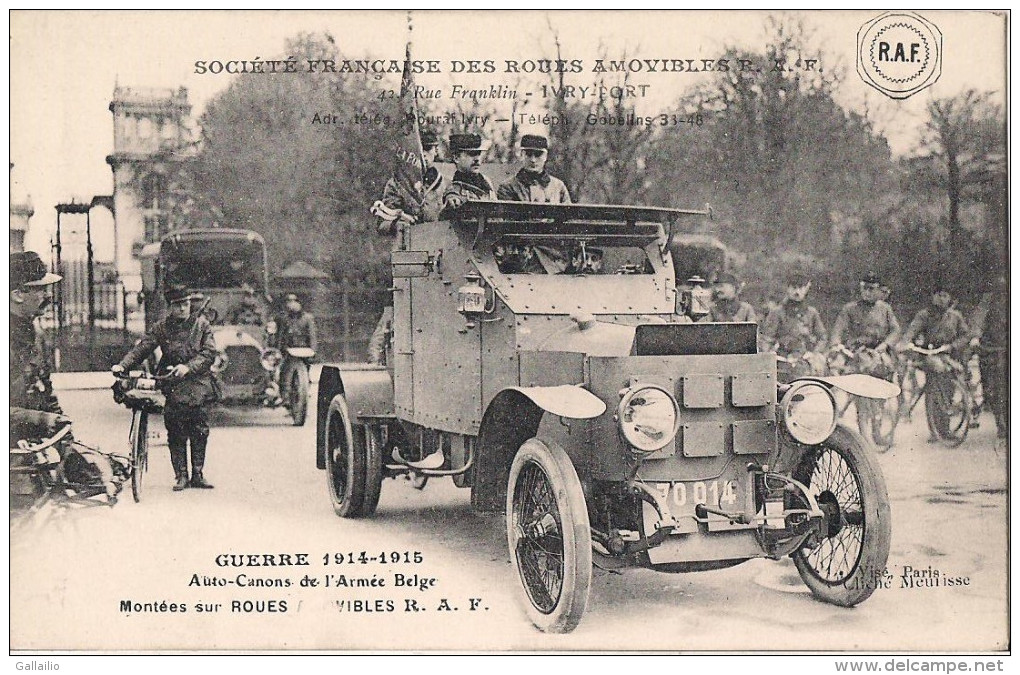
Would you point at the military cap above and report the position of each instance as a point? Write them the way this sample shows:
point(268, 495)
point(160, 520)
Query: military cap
point(176, 292)
point(429, 139)
point(27, 269)
point(465, 142)
point(534, 142)
point(871, 279)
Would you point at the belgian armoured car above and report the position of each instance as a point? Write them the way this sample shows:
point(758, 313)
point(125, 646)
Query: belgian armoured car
point(227, 268)
point(536, 358)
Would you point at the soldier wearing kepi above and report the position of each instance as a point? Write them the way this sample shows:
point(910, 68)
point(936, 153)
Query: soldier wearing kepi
point(726, 306)
point(469, 182)
point(396, 206)
point(533, 183)
point(33, 405)
point(794, 328)
point(938, 325)
point(189, 351)
point(868, 323)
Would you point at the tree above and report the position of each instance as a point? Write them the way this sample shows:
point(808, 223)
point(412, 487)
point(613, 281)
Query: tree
point(962, 154)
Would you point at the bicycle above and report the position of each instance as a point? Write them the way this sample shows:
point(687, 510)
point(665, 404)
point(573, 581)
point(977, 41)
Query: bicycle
point(59, 472)
point(948, 407)
point(140, 393)
point(876, 418)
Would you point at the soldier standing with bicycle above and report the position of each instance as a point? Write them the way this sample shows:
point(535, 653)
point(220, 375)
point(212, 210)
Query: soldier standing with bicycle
point(188, 351)
point(991, 337)
point(868, 323)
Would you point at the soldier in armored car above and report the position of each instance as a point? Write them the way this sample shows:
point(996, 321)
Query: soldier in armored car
point(395, 206)
point(469, 182)
point(533, 183)
point(189, 351)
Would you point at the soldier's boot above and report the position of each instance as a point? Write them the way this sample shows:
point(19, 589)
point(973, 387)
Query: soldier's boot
point(179, 460)
point(198, 463)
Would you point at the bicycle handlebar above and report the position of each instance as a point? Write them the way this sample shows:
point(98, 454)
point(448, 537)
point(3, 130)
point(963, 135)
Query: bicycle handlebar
point(928, 352)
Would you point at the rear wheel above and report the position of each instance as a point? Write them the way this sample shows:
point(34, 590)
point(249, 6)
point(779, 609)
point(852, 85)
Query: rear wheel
point(139, 452)
point(346, 455)
point(297, 393)
point(549, 535)
point(842, 563)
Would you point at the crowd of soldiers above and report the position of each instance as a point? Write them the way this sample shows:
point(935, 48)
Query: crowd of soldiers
point(868, 328)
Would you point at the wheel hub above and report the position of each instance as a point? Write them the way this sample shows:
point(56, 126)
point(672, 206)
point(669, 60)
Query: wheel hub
point(829, 505)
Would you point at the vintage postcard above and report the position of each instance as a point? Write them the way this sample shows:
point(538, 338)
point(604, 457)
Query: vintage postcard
point(509, 331)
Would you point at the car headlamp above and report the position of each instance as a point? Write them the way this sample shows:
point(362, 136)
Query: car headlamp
point(809, 412)
point(649, 418)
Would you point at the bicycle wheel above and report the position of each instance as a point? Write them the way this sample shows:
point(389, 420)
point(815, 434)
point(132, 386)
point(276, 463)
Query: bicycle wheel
point(948, 407)
point(139, 451)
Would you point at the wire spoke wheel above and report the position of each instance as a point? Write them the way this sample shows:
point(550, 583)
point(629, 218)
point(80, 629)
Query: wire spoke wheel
point(839, 564)
point(549, 536)
point(139, 451)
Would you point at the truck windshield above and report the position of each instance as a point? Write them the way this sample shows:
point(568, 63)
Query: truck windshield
point(215, 263)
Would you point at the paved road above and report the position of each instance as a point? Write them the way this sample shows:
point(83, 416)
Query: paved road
point(949, 515)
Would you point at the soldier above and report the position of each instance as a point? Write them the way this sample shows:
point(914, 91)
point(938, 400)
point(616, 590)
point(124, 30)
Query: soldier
point(296, 329)
point(469, 182)
point(189, 351)
point(990, 331)
point(938, 325)
point(394, 208)
point(248, 313)
point(794, 328)
point(33, 405)
point(726, 306)
point(868, 323)
point(533, 183)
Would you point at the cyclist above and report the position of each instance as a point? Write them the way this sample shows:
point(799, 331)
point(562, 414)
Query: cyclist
point(794, 328)
point(868, 323)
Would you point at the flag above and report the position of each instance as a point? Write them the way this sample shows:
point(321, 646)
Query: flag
point(408, 173)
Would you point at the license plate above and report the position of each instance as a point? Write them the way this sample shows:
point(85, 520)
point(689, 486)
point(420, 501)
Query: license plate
point(682, 497)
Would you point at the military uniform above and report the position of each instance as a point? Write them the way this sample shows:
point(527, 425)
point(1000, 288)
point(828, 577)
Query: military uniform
point(470, 186)
point(528, 186)
point(296, 330)
point(793, 327)
point(432, 201)
point(936, 328)
point(991, 325)
point(731, 310)
point(862, 324)
point(188, 342)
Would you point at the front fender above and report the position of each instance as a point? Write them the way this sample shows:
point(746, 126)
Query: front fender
point(367, 388)
point(859, 384)
point(512, 417)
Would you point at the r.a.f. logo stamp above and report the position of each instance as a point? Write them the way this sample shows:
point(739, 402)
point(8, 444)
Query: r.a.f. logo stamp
point(899, 53)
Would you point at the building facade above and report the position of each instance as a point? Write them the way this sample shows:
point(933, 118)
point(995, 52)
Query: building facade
point(151, 133)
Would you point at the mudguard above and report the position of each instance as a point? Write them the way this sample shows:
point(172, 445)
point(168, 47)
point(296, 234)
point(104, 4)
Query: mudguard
point(511, 418)
point(566, 400)
point(859, 384)
point(369, 392)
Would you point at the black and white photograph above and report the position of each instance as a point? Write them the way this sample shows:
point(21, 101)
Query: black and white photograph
point(507, 332)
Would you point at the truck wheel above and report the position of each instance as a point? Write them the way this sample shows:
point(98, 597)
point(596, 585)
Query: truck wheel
point(549, 535)
point(373, 470)
point(346, 455)
point(842, 564)
point(298, 393)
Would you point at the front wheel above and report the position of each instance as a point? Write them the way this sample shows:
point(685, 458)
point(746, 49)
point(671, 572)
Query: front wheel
point(297, 393)
point(948, 407)
point(346, 456)
point(139, 452)
point(842, 563)
point(549, 535)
